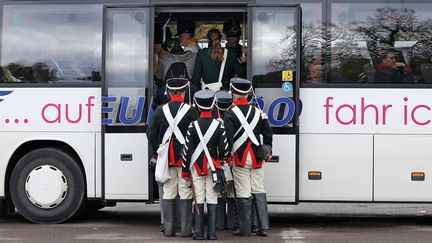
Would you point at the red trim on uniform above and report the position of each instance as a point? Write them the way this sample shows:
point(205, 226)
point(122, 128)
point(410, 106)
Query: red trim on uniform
point(217, 164)
point(177, 98)
point(171, 152)
point(248, 150)
point(198, 169)
point(236, 159)
point(206, 114)
point(185, 174)
point(241, 101)
point(172, 161)
point(229, 159)
point(205, 162)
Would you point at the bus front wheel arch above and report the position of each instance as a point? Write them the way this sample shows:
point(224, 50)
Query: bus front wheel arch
point(47, 186)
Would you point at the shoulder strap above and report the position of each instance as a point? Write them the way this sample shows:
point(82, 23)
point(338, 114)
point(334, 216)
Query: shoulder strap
point(248, 128)
point(221, 71)
point(203, 142)
point(173, 128)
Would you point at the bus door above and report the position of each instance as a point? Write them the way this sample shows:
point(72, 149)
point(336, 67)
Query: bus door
point(125, 103)
point(272, 65)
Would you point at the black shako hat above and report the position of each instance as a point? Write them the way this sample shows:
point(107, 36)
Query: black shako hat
point(177, 83)
point(204, 99)
point(224, 100)
point(240, 85)
point(185, 26)
point(231, 28)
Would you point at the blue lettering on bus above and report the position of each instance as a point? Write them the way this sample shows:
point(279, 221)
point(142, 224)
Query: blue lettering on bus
point(283, 102)
point(107, 109)
point(280, 112)
point(138, 112)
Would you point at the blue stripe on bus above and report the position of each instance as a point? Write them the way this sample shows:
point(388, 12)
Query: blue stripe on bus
point(3, 93)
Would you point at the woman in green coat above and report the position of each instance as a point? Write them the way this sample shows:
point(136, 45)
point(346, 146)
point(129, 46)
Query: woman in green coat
point(209, 62)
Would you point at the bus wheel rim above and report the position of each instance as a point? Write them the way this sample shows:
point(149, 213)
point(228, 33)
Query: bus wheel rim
point(46, 186)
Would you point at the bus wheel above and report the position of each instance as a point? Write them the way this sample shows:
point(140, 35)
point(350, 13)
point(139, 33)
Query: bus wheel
point(47, 186)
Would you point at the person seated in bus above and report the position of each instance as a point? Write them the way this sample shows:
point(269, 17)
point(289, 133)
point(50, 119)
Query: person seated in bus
point(336, 73)
point(389, 70)
point(205, 148)
point(215, 66)
point(167, 143)
point(314, 72)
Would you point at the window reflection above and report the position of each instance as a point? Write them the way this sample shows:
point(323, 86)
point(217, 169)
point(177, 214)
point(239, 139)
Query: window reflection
point(127, 48)
point(274, 46)
point(381, 43)
point(127, 64)
point(51, 43)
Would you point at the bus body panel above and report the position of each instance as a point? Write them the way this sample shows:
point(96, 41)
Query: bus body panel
point(396, 158)
point(366, 111)
point(126, 178)
point(345, 163)
point(50, 109)
point(82, 143)
point(279, 179)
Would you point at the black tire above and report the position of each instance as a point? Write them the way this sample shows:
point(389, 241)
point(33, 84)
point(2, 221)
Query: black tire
point(71, 171)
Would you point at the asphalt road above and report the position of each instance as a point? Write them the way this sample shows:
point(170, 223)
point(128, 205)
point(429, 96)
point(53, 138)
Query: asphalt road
point(309, 222)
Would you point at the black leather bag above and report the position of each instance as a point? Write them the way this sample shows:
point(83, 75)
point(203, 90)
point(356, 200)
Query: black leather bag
point(220, 182)
point(261, 153)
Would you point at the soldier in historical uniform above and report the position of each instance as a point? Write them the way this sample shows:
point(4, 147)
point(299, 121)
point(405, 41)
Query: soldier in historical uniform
point(206, 146)
point(169, 125)
point(224, 219)
point(244, 125)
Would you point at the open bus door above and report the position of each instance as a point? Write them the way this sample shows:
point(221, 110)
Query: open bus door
point(274, 70)
point(127, 52)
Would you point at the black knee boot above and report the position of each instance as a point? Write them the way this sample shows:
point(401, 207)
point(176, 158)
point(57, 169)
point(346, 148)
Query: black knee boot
point(169, 208)
point(262, 213)
point(244, 222)
point(211, 223)
point(254, 217)
point(185, 206)
point(199, 222)
point(231, 214)
point(221, 212)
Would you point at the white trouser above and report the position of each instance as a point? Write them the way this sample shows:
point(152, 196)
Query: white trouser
point(204, 191)
point(248, 180)
point(176, 184)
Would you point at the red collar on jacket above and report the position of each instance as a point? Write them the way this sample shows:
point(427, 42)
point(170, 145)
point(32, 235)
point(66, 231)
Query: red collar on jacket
point(241, 101)
point(177, 98)
point(206, 114)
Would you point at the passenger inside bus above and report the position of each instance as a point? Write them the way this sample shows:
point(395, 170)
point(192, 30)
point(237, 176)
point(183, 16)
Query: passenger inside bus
point(191, 32)
point(390, 70)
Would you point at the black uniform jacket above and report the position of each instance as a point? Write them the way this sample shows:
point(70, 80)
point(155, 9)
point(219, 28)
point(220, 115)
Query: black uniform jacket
point(217, 146)
point(232, 124)
point(159, 124)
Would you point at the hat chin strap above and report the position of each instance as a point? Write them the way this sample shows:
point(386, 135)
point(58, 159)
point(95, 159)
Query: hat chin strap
point(177, 88)
point(240, 91)
point(204, 107)
point(221, 108)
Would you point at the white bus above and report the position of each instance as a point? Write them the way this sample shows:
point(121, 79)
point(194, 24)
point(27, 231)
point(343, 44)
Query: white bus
point(346, 84)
